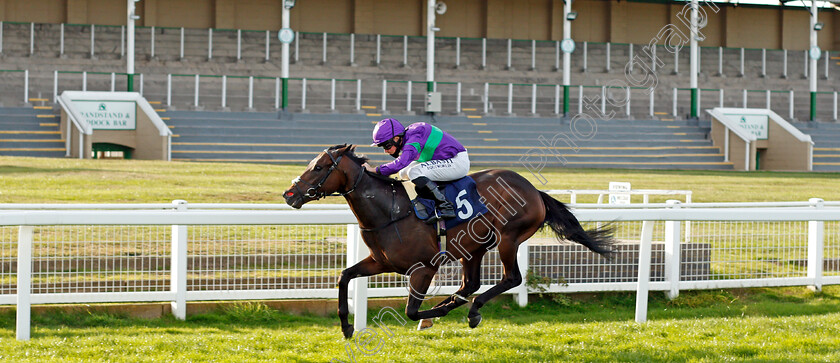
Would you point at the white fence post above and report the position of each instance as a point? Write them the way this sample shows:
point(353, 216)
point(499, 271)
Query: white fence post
point(178, 282)
point(763, 62)
point(61, 41)
point(835, 105)
point(210, 43)
point(276, 92)
point(720, 61)
point(1, 36)
point(152, 36)
point(784, 63)
point(181, 52)
point(458, 98)
point(458, 52)
point(196, 90)
point(790, 101)
point(484, 53)
point(533, 55)
point(510, 99)
point(92, 41)
point(332, 94)
point(580, 99)
point(356, 252)
point(303, 94)
point(141, 84)
point(297, 47)
point(358, 95)
point(55, 88)
point(742, 63)
point(745, 98)
point(250, 92)
point(24, 281)
point(31, 38)
point(650, 106)
point(608, 57)
point(352, 49)
point(628, 101)
point(584, 57)
point(672, 254)
point(224, 91)
point(556, 99)
point(169, 89)
point(675, 102)
point(816, 236)
point(113, 81)
point(405, 51)
point(26, 87)
point(522, 261)
point(720, 97)
point(509, 50)
point(486, 97)
point(238, 44)
point(408, 97)
point(267, 46)
point(378, 49)
point(644, 271)
point(84, 81)
point(767, 98)
point(384, 94)
point(534, 99)
point(324, 50)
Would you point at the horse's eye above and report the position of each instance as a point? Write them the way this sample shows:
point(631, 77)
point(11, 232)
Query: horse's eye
point(318, 168)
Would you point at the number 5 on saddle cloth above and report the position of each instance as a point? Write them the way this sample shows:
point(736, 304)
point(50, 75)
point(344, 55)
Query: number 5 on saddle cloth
point(462, 193)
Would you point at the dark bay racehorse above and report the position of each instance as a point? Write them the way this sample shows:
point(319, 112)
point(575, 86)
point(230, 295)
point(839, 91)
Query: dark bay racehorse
point(401, 243)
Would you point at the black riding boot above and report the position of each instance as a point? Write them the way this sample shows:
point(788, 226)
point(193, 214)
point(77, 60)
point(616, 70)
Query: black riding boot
point(429, 189)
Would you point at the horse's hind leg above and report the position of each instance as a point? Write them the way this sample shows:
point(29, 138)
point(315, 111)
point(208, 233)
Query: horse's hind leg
point(512, 278)
point(470, 284)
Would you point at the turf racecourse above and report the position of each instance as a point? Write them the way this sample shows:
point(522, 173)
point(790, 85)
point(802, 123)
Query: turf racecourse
point(780, 324)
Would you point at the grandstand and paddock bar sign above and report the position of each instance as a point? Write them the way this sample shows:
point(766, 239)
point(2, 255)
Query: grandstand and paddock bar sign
point(108, 115)
point(756, 125)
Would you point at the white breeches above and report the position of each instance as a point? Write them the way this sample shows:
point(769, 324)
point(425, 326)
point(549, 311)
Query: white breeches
point(438, 170)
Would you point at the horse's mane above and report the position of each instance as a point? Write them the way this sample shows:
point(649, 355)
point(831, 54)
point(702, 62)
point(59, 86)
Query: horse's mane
point(351, 153)
point(361, 159)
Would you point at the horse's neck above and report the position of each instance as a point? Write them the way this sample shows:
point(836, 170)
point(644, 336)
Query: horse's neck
point(375, 202)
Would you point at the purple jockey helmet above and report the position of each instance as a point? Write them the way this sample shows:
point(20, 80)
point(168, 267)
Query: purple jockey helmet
point(386, 130)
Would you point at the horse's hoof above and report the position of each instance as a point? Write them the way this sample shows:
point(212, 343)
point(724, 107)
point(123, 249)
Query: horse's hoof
point(425, 324)
point(348, 331)
point(475, 320)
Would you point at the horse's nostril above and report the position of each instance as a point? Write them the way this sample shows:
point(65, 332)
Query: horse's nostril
point(288, 194)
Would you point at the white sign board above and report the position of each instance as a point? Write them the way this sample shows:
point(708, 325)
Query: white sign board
point(108, 115)
point(754, 124)
point(622, 198)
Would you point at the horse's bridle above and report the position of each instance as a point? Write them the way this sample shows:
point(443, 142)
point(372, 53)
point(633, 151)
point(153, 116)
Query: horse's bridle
point(313, 190)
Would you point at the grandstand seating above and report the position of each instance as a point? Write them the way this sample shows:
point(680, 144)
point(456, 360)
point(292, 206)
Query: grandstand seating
point(350, 118)
point(310, 65)
point(826, 137)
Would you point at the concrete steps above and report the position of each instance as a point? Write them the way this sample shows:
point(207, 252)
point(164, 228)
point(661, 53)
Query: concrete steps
point(826, 137)
point(28, 131)
point(265, 137)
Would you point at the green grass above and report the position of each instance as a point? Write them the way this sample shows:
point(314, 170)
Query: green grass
point(780, 324)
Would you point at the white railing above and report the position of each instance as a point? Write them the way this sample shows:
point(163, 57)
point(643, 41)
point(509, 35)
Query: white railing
point(117, 253)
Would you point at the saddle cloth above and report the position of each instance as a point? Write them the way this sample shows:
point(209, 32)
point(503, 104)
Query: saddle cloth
point(463, 195)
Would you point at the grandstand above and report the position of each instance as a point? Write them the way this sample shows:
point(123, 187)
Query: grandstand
point(217, 85)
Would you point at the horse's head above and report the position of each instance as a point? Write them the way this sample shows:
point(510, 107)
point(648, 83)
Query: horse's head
point(326, 174)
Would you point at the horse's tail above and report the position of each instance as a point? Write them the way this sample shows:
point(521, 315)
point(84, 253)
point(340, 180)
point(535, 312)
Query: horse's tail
point(566, 226)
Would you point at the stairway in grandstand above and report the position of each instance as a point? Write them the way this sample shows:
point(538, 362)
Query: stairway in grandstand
point(826, 137)
point(262, 137)
point(30, 131)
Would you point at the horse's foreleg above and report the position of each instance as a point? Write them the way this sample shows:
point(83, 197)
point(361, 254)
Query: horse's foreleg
point(366, 267)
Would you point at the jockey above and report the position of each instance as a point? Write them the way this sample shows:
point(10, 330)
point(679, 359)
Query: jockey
point(424, 154)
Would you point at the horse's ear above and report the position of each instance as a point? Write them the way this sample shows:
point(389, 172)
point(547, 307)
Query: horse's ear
point(347, 147)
